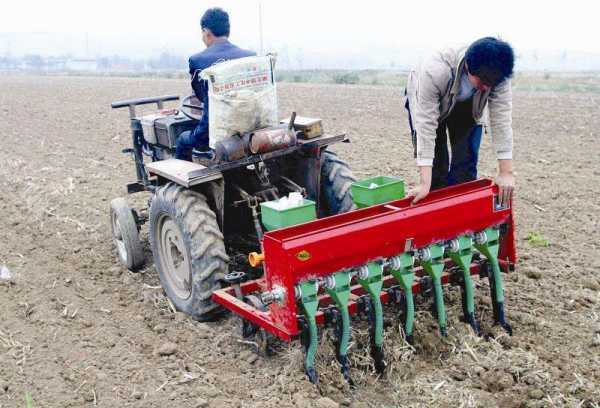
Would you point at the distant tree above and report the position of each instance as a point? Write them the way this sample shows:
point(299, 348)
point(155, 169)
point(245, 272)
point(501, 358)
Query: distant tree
point(346, 78)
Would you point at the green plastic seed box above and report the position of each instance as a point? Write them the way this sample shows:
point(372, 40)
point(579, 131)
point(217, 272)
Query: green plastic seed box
point(274, 218)
point(377, 190)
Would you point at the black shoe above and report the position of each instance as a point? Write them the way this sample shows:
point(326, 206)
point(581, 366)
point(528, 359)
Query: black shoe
point(205, 154)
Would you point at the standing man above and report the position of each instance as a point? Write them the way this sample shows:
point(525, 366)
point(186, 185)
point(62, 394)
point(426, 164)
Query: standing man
point(445, 99)
point(215, 35)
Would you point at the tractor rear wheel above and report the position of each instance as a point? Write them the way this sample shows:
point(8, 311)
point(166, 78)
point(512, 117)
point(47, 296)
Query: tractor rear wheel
point(336, 180)
point(188, 249)
point(126, 234)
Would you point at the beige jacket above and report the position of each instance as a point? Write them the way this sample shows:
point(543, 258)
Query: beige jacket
point(431, 92)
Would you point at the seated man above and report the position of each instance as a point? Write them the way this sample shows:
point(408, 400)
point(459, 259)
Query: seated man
point(446, 98)
point(215, 35)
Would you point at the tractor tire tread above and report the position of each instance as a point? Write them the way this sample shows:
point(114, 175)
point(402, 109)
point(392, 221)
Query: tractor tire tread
point(336, 183)
point(208, 258)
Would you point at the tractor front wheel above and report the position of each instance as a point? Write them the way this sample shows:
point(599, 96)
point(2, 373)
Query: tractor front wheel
point(188, 249)
point(126, 234)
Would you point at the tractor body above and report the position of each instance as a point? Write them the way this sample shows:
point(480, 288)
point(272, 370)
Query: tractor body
point(205, 215)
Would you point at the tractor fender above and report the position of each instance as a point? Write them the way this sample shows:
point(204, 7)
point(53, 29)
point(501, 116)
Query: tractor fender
point(185, 174)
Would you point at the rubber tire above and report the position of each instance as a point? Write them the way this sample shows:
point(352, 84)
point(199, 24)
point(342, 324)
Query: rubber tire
point(133, 258)
point(336, 181)
point(203, 241)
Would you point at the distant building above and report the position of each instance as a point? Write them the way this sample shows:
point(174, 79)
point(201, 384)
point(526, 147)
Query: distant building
point(82, 65)
point(8, 64)
point(56, 64)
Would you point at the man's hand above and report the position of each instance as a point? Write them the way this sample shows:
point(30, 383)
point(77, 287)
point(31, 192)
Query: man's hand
point(421, 191)
point(505, 180)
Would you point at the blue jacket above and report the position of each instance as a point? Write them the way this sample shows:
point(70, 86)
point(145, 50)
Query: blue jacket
point(218, 52)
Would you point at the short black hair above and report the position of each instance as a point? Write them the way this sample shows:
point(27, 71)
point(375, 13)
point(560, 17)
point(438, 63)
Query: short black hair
point(217, 21)
point(490, 59)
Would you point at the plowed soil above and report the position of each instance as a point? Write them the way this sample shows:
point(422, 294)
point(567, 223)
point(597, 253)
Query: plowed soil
point(77, 329)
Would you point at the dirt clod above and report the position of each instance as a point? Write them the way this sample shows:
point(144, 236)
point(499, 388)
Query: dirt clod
point(204, 331)
point(591, 285)
point(249, 356)
point(201, 403)
point(159, 328)
point(533, 273)
point(211, 392)
point(531, 380)
point(180, 317)
point(535, 393)
point(166, 349)
point(325, 402)
point(302, 401)
point(346, 402)
point(498, 381)
point(458, 375)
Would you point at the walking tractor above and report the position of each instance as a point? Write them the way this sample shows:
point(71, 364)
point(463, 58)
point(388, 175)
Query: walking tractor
point(274, 228)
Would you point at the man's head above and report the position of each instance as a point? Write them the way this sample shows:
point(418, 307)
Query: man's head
point(489, 62)
point(215, 24)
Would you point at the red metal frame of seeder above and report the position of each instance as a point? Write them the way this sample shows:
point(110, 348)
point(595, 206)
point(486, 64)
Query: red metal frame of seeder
point(322, 247)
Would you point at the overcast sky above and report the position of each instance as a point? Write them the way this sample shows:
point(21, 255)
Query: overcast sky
point(143, 28)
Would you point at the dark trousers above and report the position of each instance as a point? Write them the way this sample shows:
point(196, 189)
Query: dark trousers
point(185, 143)
point(189, 140)
point(465, 138)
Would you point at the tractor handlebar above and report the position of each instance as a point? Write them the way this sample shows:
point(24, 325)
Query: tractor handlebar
point(144, 101)
point(132, 103)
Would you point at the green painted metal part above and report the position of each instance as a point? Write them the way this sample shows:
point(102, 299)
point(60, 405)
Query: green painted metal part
point(340, 293)
point(373, 284)
point(434, 267)
point(406, 277)
point(310, 305)
point(463, 257)
point(490, 250)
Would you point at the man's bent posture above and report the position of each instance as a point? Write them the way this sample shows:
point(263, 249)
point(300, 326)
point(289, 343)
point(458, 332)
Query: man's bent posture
point(445, 99)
